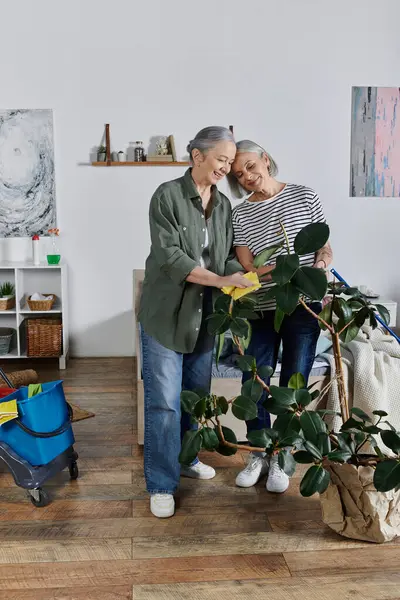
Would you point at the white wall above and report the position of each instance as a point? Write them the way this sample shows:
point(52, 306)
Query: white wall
point(280, 72)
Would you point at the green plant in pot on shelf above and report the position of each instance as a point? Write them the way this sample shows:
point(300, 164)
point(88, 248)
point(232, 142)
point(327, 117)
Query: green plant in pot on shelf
point(359, 491)
point(7, 290)
point(101, 154)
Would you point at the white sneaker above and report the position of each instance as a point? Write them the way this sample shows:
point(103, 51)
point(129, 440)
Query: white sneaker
point(278, 481)
point(162, 505)
point(198, 471)
point(257, 467)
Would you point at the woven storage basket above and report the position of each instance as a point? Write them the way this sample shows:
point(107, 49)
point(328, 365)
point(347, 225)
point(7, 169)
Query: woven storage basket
point(6, 334)
point(43, 337)
point(42, 304)
point(7, 303)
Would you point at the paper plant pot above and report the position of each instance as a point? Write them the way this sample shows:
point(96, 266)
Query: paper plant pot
point(352, 507)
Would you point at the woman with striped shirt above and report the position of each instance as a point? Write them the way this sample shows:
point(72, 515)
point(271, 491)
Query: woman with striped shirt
point(257, 225)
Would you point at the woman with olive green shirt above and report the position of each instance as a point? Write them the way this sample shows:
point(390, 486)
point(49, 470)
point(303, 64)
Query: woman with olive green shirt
point(191, 253)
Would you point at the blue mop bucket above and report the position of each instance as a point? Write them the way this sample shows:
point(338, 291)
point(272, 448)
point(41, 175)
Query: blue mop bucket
point(43, 429)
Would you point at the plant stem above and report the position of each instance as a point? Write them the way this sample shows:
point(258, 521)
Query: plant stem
point(344, 405)
point(330, 329)
point(286, 236)
point(346, 326)
point(258, 378)
point(238, 446)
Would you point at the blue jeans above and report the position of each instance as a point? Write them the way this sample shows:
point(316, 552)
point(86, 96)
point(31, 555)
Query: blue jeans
point(165, 374)
point(299, 334)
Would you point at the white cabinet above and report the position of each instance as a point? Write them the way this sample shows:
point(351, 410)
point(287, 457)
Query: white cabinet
point(29, 278)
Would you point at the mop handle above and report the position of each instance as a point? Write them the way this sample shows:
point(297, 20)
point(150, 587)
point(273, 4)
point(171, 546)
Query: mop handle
point(378, 318)
point(4, 376)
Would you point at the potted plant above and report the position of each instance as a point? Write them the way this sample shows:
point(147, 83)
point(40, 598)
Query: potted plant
point(7, 296)
point(101, 154)
point(356, 470)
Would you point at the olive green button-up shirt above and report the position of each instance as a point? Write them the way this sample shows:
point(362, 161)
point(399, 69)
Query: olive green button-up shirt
point(171, 309)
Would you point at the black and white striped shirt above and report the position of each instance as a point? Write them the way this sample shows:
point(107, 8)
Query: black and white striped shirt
point(257, 225)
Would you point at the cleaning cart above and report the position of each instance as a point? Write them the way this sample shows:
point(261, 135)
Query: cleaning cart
point(38, 443)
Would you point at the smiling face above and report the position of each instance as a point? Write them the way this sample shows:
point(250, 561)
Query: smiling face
point(214, 164)
point(251, 171)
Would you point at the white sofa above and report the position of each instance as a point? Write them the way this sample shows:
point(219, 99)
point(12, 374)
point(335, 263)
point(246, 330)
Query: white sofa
point(225, 382)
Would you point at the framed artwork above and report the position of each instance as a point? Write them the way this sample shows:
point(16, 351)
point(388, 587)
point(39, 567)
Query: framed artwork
point(27, 182)
point(375, 142)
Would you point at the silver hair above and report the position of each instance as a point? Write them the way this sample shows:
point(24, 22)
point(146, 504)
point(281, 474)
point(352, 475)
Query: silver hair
point(248, 146)
point(208, 138)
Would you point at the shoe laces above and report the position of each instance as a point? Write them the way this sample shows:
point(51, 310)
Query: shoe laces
point(275, 470)
point(252, 463)
point(162, 498)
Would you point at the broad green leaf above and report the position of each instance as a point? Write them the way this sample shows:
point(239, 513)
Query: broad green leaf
point(191, 445)
point(391, 439)
point(380, 413)
point(222, 303)
point(287, 424)
point(312, 425)
point(360, 413)
point(326, 315)
point(286, 267)
point(220, 345)
point(297, 381)
point(339, 456)
point(278, 320)
point(244, 408)
point(345, 443)
point(310, 282)
point(352, 424)
point(303, 397)
point(246, 363)
point(372, 320)
point(276, 408)
point(252, 389)
point(247, 338)
point(361, 316)
point(350, 333)
point(316, 479)
point(259, 438)
point(222, 404)
point(239, 327)
point(384, 313)
point(387, 475)
point(200, 408)
point(284, 396)
point(287, 297)
point(218, 323)
point(311, 238)
point(312, 449)
point(261, 258)
point(286, 462)
point(342, 309)
point(210, 438)
point(294, 440)
point(264, 372)
point(314, 395)
point(229, 436)
point(303, 457)
point(269, 294)
point(189, 400)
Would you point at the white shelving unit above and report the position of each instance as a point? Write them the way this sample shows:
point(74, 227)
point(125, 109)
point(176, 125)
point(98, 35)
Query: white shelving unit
point(29, 278)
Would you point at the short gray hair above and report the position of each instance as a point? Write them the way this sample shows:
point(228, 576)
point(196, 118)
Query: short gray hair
point(208, 138)
point(248, 146)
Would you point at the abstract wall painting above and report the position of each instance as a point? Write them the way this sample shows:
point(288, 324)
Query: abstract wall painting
point(375, 142)
point(27, 181)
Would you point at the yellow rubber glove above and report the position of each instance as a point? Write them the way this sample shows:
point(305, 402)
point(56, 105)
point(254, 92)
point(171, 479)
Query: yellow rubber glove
point(237, 293)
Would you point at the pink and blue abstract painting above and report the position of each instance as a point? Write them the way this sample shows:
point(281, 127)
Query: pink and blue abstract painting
point(375, 142)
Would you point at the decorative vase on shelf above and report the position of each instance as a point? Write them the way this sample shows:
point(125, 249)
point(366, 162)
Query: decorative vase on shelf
point(121, 156)
point(54, 256)
point(35, 250)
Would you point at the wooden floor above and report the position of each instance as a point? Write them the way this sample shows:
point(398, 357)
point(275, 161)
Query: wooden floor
point(98, 541)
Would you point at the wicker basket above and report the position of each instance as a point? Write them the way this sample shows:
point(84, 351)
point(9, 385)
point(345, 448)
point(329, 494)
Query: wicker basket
point(7, 303)
point(42, 304)
point(6, 334)
point(43, 337)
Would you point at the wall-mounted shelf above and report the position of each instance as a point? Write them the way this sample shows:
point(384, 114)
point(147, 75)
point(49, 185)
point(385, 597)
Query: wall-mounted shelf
point(140, 164)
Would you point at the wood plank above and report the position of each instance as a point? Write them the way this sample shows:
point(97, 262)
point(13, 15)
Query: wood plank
point(65, 510)
point(74, 490)
point(85, 478)
point(378, 558)
point(109, 463)
point(94, 450)
point(117, 592)
point(51, 551)
point(362, 586)
point(104, 573)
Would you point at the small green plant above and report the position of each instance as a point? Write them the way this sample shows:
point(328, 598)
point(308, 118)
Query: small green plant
point(101, 150)
point(7, 289)
point(298, 434)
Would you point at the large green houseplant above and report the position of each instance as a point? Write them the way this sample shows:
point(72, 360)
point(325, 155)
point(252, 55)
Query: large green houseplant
point(355, 487)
